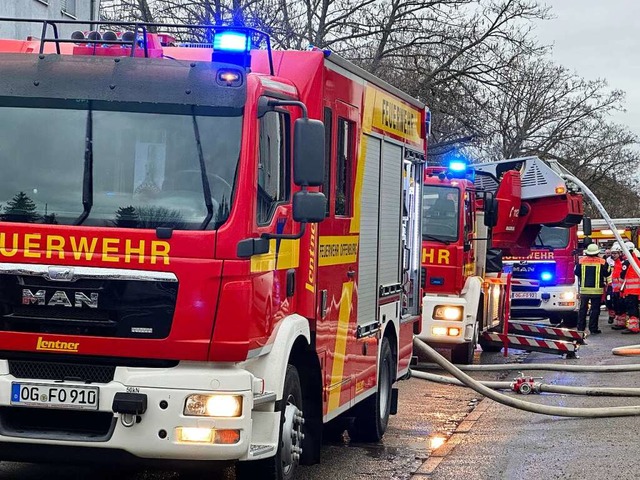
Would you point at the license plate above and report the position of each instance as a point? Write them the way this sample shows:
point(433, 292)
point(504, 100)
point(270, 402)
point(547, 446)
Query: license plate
point(54, 396)
point(524, 294)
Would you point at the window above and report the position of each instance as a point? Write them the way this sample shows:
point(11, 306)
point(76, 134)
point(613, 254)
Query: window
point(440, 213)
point(69, 7)
point(344, 168)
point(146, 170)
point(328, 130)
point(552, 237)
point(273, 166)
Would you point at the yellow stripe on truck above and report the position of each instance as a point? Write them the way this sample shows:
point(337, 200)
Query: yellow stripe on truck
point(288, 256)
point(337, 371)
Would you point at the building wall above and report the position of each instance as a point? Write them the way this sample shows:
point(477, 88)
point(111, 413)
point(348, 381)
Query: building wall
point(41, 9)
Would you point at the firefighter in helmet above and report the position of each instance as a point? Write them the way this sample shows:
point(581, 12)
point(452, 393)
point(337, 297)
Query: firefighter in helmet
point(618, 307)
point(630, 289)
point(592, 272)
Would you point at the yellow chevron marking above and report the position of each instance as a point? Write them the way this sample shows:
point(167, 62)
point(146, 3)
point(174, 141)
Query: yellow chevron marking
point(337, 371)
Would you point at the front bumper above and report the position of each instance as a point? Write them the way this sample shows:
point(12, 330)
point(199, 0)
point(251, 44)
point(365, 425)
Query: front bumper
point(556, 299)
point(154, 435)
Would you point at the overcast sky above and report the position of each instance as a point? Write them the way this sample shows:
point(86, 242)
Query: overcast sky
point(599, 39)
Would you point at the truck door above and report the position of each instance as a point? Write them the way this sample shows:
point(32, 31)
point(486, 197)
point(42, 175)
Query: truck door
point(337, 255)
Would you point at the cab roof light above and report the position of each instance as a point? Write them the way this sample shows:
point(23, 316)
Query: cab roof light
point(458, 166)
point(232, 45)
point(232, 41)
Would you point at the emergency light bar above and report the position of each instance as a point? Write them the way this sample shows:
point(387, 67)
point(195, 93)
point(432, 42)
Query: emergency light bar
point(232, 45)
point(232, 41)
point(458, 166)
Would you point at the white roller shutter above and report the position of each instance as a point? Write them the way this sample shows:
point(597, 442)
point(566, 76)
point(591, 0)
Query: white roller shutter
point(390, 225)
point(368, 254)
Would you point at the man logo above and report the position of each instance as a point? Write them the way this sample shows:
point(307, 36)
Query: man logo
point(59, 298)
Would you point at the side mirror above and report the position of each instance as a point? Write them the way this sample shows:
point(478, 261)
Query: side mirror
point(494, 260)
point(586, 226)
point(309, 207)
point(308, 152)
point(491, 212)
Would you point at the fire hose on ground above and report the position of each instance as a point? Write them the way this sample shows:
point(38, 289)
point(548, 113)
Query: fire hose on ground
point(526, 386)
point(466, 380)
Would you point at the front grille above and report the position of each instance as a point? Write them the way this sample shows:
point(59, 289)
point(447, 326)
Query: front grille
point(61, 371)
point(525, 302)
point(522, 288)
point(53, 423)
point(105, 307)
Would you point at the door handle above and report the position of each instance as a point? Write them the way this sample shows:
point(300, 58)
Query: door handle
point(351, 273)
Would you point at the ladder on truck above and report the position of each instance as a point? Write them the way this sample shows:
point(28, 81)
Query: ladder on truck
point(538, 179)
point(528, 336)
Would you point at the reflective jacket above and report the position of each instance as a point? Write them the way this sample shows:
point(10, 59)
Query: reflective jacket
point(616, 281)
point(592, 273)
point(631, 281)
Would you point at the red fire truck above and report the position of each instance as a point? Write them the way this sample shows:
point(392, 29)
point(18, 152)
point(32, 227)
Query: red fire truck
point(550, 264)
point(167, 290)
point(471, 217)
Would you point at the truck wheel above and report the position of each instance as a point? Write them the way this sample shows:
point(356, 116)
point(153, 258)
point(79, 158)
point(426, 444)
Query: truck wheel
point(284, 464)
point(489, 347)
point(554, 319)
point(570, 320)
point(372, 415)
point(463, 354)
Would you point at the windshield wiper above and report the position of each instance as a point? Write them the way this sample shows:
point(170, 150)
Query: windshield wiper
point(431, 237)
point(203, 172)
point(87, 176)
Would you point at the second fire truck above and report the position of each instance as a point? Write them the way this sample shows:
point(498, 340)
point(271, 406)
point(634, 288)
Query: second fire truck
point(471, 217)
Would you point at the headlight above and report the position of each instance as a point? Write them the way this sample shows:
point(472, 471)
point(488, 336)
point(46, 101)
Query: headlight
point(213, 405)
point(567, 296)
point(447, 312)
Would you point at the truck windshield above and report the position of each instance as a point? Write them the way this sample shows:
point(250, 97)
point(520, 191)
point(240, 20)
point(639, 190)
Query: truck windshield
point(131, 169)
point(440, 213)
point(553, 237)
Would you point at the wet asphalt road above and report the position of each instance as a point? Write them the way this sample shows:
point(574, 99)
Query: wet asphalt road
point(499, 442)
point(484, 440)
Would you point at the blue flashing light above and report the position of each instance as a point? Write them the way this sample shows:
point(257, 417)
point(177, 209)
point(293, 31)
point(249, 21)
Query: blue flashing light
point(458, 166)
point(546, 276)
point(232, 41)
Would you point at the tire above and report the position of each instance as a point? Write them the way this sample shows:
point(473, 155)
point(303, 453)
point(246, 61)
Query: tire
point(463, 354)
point(555, 319)
point(372, 415)
point(284, 464)
point(570, 320)
point(489, 348)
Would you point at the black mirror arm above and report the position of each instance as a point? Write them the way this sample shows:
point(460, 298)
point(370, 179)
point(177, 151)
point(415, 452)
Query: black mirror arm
point(286, 236)
point(273, 103)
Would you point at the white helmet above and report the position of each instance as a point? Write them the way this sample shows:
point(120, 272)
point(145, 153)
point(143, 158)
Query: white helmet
point(630, 246)
point(616, 247)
